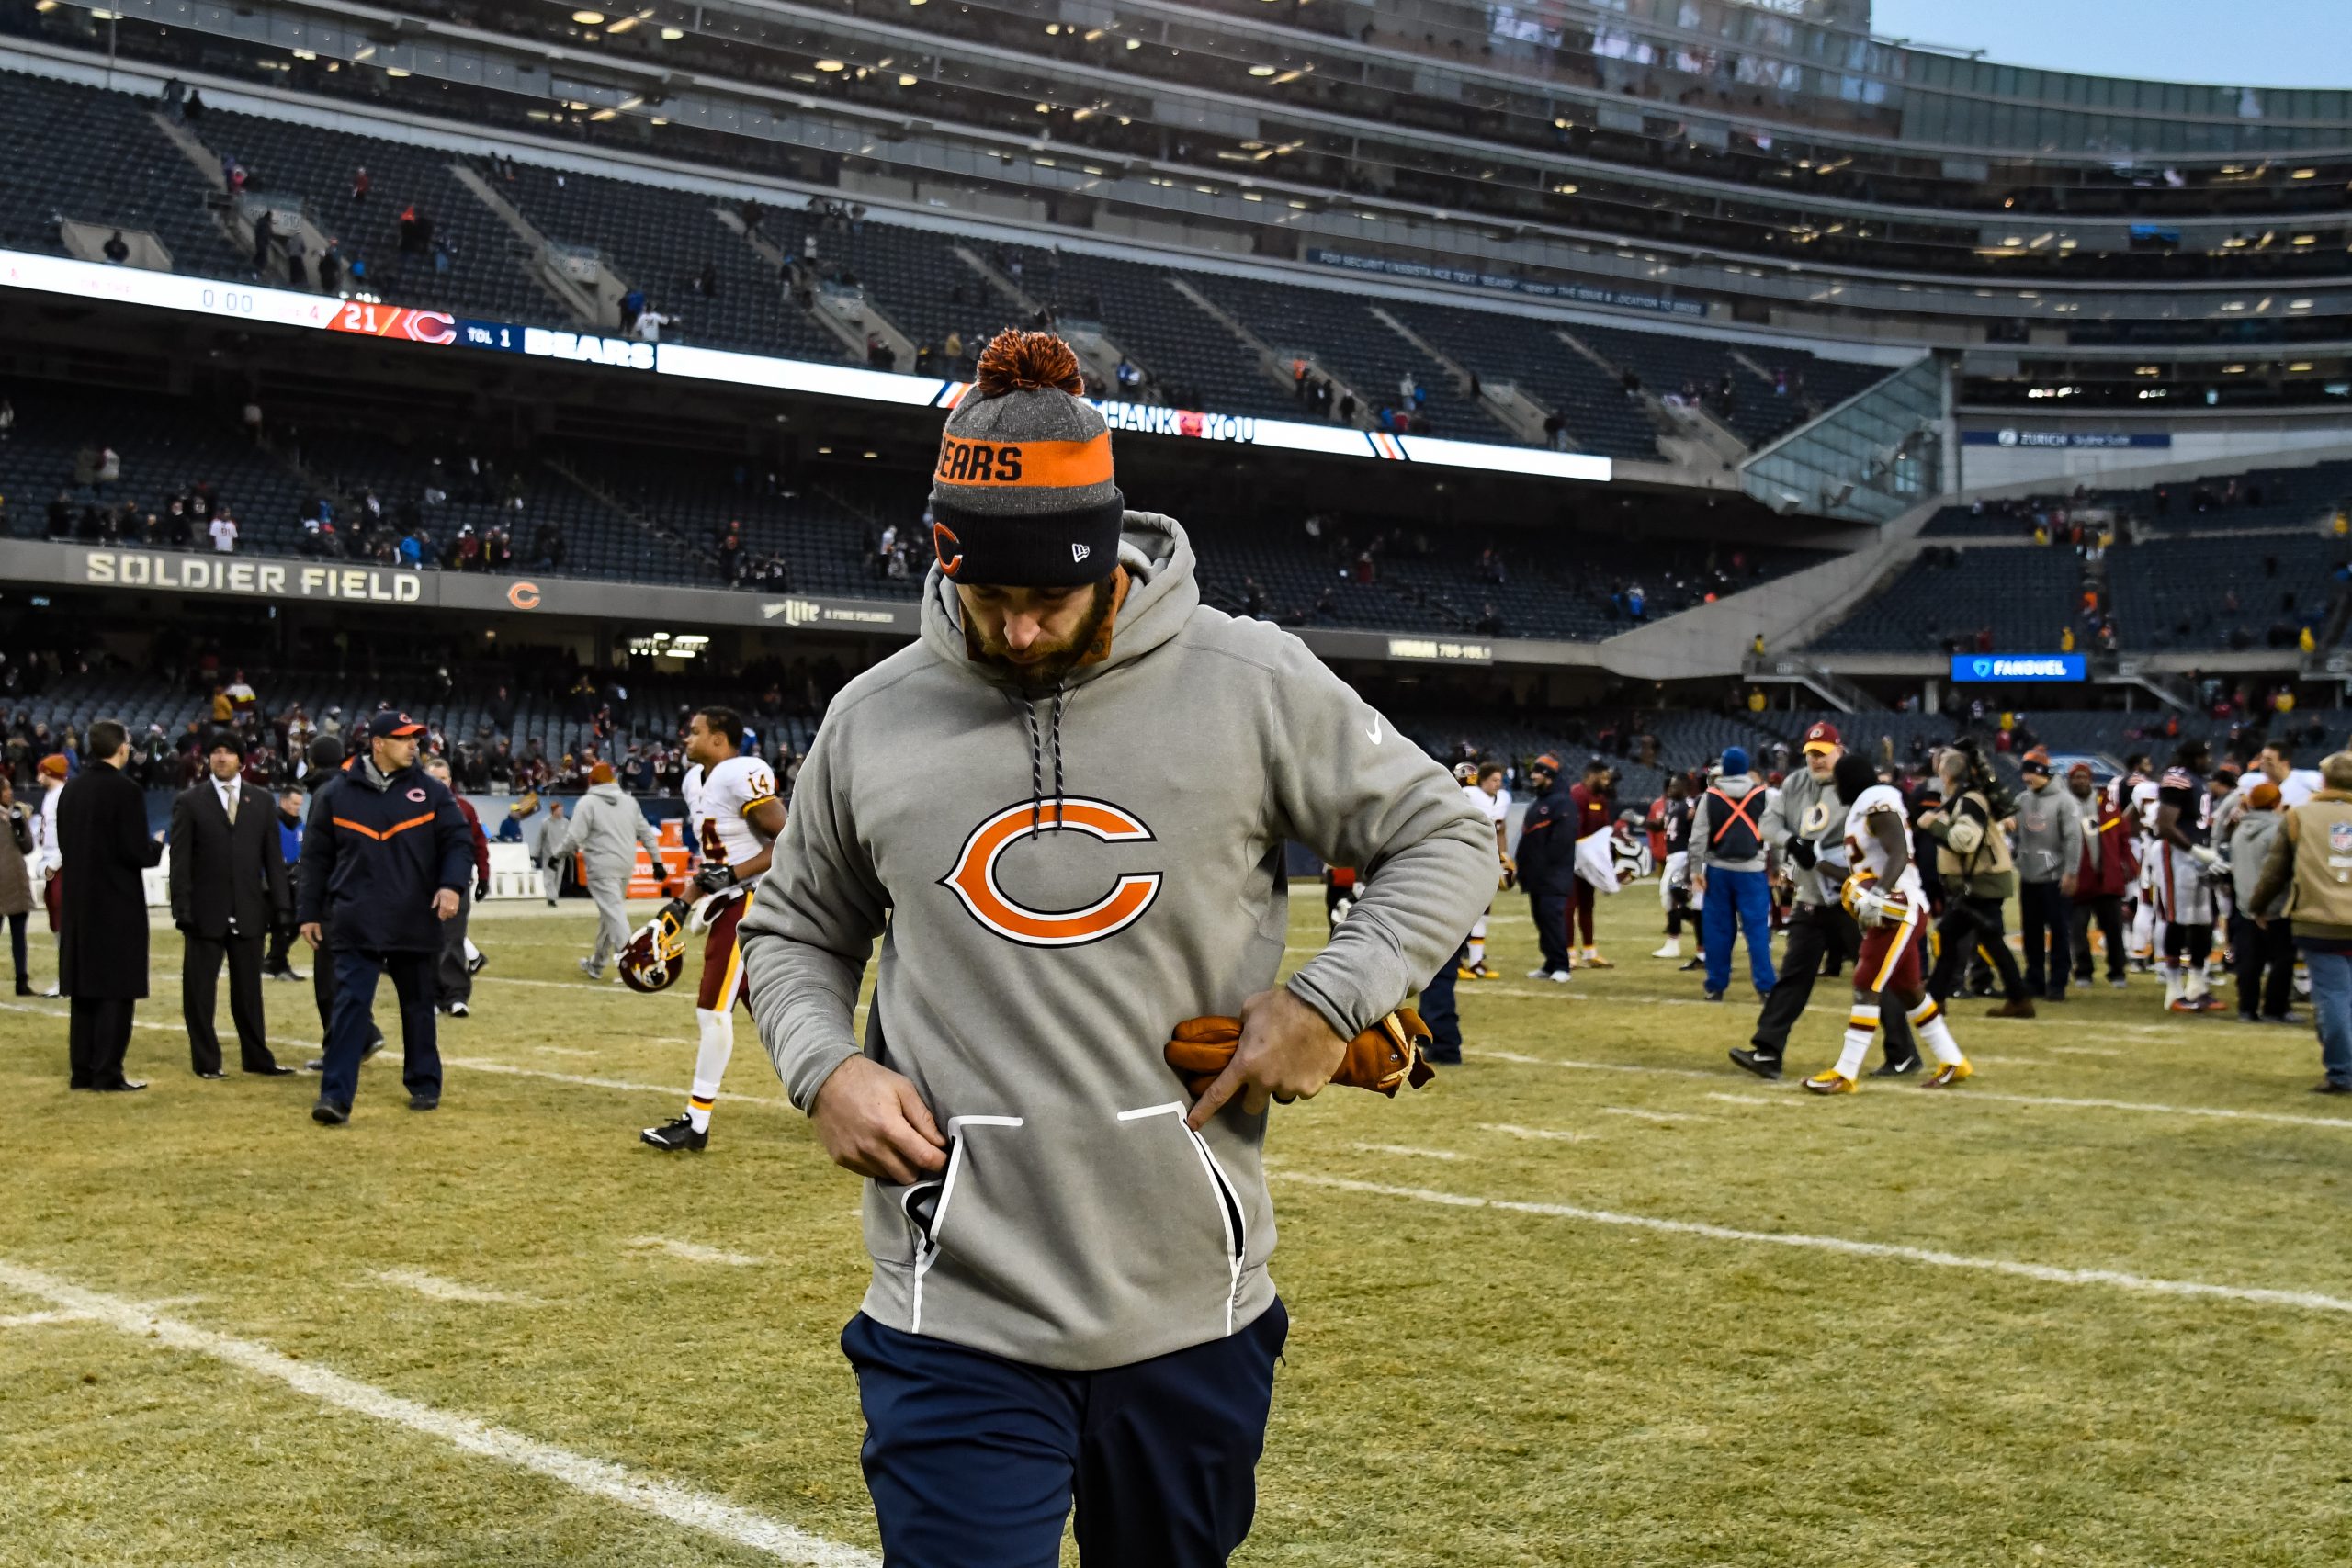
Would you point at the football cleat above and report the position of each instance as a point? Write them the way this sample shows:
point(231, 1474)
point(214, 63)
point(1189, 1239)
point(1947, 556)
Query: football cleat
point(1830, 1080)
point(1949, 1074)
point(1761, 1063)
point(1463, 971)
point(676, 1134)
point(1592, 960)
point(1902, 1067)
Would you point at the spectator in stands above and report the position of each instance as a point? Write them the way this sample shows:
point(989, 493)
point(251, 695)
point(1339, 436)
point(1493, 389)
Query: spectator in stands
point(632, 306)
point(223, 531)
point(651, 322)
point(117, 250)
point(359, 184)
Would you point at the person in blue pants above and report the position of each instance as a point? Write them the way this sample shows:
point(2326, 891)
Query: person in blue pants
point(1727, 861)
point(1441, 1015)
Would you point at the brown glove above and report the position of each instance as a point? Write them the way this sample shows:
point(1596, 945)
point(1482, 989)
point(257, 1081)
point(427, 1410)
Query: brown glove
point(1387, 1054)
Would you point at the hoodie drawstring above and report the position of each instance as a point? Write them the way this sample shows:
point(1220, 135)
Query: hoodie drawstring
point(1039, 745)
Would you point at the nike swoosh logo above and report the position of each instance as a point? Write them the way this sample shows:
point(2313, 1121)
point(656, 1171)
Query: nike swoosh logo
point(1374, 730)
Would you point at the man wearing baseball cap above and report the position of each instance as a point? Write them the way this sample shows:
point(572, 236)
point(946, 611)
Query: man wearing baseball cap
point(386, 860)
point(1063, 812)
point(2048, 850)
point(1805, 828)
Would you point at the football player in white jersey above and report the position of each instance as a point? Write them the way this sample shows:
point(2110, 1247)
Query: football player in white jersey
point(1482, 787)
point(1883, 892)
point(736, 816)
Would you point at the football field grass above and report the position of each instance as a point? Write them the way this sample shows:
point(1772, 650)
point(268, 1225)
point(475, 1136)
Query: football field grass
point(1593, 1298)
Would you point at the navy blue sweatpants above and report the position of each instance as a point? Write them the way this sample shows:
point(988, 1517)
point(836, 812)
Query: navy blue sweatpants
point(973, 1460)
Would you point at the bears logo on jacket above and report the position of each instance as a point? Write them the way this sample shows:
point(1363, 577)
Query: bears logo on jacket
point(973, 877)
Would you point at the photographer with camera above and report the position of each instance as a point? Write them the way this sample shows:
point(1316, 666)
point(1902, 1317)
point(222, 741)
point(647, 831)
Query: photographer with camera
point(1972, 836)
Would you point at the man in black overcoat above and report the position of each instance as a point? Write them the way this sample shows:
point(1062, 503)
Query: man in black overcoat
point(228, 888)
point(102, 930)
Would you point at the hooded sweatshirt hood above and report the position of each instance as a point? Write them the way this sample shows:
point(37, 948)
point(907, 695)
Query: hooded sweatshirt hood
point(1161, 595)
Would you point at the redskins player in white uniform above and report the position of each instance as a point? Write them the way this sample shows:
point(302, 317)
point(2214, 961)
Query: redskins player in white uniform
point(1883, 892)
point(736, 816)
point(1482, 787)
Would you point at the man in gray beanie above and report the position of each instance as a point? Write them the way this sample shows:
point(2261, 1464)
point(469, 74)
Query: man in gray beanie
point(1063, 811)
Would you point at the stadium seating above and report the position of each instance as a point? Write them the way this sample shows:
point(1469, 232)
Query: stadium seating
point(654, 712)
point(2205, 594)
point(660, 239)
point(1499, 348)
point(485, 275)
point(2023, 597)
point(2257, 500)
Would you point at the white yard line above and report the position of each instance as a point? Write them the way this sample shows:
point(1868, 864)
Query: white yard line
point(2081, 1051)
point(681, 1505)
point(1545, 1134)
point(2310, 1301)
point(1652, 1115)
point(693, 1252)
point(442, 1290)
point(1592, 1067)
point(1963, 1095)
point(1754, 1097)
point(1406, 1151)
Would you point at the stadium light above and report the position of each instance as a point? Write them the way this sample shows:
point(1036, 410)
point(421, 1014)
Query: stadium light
point(589, 19)
point(831, 65)
point(671, 35)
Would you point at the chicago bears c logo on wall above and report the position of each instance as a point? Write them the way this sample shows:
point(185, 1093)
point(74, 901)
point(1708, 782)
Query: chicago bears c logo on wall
point(973, 879)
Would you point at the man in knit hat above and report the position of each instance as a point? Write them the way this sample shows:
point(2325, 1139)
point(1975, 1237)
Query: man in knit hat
point(1062, 811)
point(1728, 856)
point(607, 827)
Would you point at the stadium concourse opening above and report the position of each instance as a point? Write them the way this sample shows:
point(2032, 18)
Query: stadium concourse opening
point(502, 519)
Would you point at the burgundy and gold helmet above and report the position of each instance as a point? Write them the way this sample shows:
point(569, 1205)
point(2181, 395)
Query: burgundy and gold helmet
point(656, 955)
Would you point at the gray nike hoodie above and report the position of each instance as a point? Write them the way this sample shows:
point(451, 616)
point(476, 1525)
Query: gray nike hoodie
point(1057, 880)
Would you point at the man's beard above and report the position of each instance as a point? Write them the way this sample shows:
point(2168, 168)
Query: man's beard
point(1048, 666)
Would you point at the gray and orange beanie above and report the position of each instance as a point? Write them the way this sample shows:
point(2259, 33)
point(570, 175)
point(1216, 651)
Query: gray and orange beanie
point(1023, 496)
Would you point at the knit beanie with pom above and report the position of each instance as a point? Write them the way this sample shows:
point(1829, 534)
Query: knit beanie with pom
point(1023, 496)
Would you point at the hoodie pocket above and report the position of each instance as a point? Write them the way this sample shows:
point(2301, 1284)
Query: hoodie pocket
point(1221, 1195)
point(1086, 1226)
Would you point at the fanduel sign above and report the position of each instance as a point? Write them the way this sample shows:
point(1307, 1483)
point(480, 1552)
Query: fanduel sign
point(2019, 667)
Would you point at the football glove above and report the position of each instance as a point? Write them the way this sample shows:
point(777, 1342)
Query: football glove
point(1511, 873)
point(1801, 850)
point(715, 878)
point(2206, 856)
point(1380, 1059)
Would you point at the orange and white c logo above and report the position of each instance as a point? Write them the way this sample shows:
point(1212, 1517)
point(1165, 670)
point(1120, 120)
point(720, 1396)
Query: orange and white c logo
point(974, 878)
point(943, 540)
point(524, 596)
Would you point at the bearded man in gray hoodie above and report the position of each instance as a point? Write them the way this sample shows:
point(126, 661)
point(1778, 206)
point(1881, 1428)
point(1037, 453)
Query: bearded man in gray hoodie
point(1063, 811)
